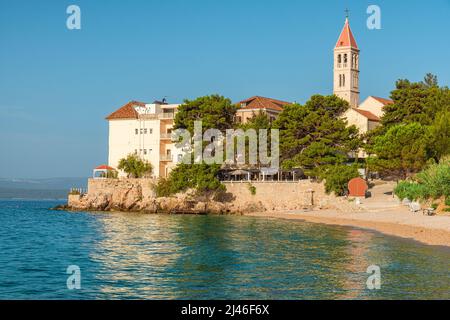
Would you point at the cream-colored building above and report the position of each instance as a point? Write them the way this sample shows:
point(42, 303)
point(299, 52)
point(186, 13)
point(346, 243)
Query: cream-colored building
point(375, 105)
point(144, 129)
point(251, 107)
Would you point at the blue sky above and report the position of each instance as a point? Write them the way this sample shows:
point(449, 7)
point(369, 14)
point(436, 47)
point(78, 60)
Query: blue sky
point(57, 85)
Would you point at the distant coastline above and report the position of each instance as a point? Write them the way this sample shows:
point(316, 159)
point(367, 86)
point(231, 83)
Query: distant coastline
point(38, 189)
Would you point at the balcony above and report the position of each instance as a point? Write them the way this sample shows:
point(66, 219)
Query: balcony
point(165, 158)
point(166, 115)
point(166, 136)
point(155, 116)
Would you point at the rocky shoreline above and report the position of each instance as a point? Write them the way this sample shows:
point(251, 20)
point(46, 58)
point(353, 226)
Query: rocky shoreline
point(138, 195)
point(163, 205)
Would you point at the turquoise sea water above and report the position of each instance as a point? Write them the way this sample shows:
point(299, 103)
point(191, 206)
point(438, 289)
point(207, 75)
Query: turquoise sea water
point(133, 256)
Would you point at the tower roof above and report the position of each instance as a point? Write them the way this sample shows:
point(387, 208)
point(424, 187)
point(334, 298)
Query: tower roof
point(346, 38)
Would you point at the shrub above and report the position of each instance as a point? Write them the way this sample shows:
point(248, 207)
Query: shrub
point(201, 177)
point(135, 167)
point(74, 192)
point(432, 182)
point(409, 190)
point(337, 178)
point(252, 189)
point(436, 179)
point(447, 201)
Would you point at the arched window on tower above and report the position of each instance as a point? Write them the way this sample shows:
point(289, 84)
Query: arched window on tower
point(343, 80)
point(339, 58)
point(340, 80)
point(345, 58)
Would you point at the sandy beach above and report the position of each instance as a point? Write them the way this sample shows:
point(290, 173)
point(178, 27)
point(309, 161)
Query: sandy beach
point(382, 213)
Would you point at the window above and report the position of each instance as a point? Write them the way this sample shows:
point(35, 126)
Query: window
point(136, 131)
point(340, 80)
point(339, 59)
point(145, 151)
point(345, 58)
point(343, 80)
point(145, 131)
point(150, 131)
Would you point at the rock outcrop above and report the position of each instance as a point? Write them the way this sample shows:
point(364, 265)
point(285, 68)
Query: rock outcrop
point(137, 195)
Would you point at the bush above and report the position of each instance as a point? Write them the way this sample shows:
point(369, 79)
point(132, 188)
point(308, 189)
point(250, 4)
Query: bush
point(252, 189)
point(135, 167)
point(447, 201)
point(74, 192)
point(409, 190)
point(436, 179)
point(337, 178)
point(201, 177)
point(433, 182)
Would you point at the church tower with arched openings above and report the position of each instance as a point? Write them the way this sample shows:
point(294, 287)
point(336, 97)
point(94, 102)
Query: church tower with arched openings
point(346, 67)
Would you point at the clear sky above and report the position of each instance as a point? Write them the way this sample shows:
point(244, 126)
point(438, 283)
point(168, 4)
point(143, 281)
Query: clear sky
point(57, 85)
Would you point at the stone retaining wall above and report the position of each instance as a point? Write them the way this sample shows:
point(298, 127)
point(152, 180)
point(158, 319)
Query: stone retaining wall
point(139, 195)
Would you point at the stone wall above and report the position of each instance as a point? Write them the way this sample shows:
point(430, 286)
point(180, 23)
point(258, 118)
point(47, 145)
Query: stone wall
point(139, 195)
point(273, 196)
point(111, 186)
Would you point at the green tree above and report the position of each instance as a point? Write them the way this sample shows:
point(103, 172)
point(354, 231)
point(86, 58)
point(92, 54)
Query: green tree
point(135, 167)
point(201, 177)
point(315, 135)
point(402, 150)
point(416, 102)
point(258, 121)
point(337, 178)
point(214, 111)
point(440, 133)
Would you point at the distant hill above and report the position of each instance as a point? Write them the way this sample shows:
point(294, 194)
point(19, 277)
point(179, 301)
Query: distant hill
point(52, 188)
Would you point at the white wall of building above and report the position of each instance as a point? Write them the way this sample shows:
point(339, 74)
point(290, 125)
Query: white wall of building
point(134, 136)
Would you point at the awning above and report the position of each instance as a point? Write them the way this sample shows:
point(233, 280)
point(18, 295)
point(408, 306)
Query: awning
point(239, 172)
point(269, 171)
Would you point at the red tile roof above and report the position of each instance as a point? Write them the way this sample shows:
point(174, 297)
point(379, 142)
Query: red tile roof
point(346, 38)
point(383, 100)
point(105, 167)
point(127, 111)
point(369, 115)
point(258, 102)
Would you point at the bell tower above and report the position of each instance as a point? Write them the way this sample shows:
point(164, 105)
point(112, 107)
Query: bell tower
point(346, 67)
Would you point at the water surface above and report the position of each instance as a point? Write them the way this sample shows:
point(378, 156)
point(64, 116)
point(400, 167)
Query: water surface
point(135, 256)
